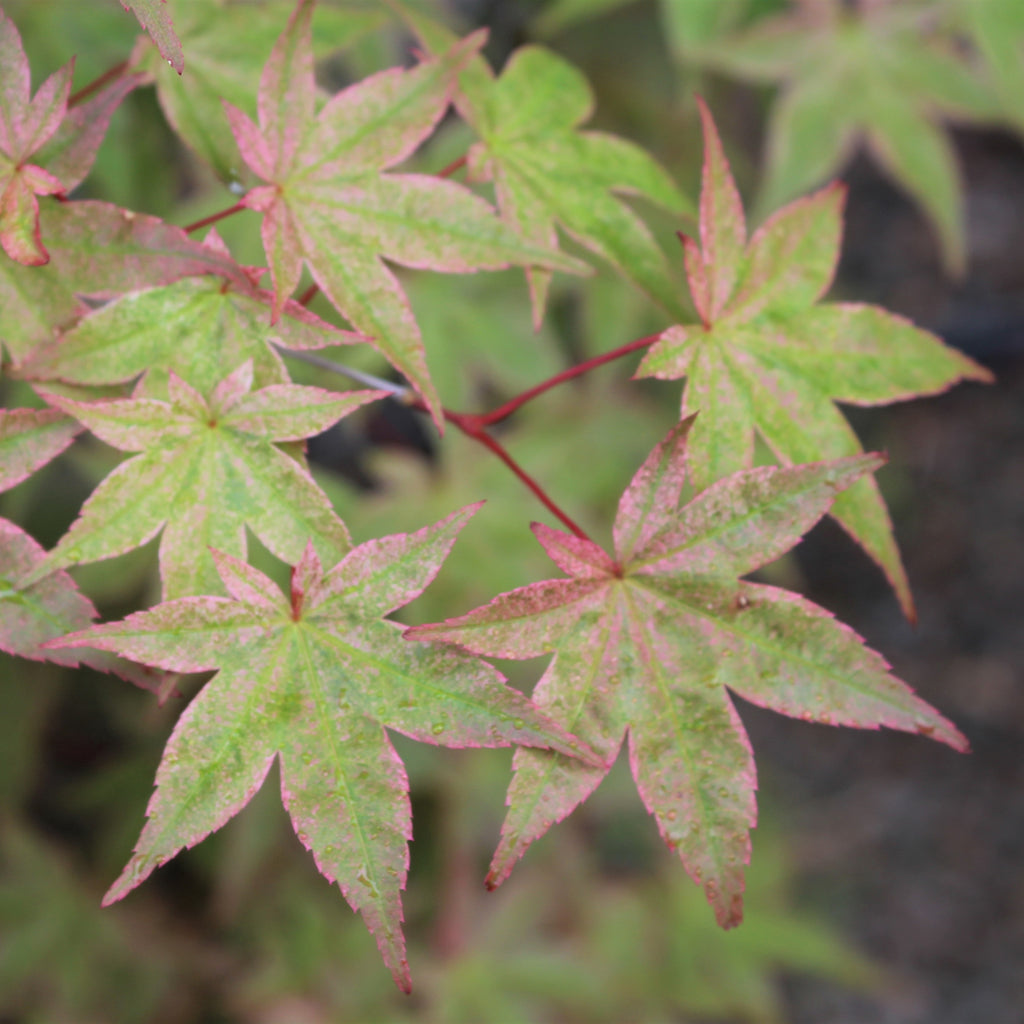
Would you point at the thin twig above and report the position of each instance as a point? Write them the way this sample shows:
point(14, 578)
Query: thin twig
point(309, 294)
point(471, 427)
point(509, 407)
point(455, 165)
point(213, 218)
point(97, 83)
point(399, 391)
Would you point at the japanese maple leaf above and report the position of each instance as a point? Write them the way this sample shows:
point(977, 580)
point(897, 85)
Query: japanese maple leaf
point(32, 613)
point(546, 171)
point(99, 250)
point(205, 471)
point(313, 679)
point(64, 146)
point(195, 327)
point(155, 18)
point(227, 46)
point(328, 203)
point(769, 358)
point(882, 73)
point(646, 641)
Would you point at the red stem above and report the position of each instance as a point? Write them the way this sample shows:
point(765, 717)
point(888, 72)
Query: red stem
point(472, 426)
point(309, 294)
point(497, 415)
point(452, 167)
point(213, 218)
point(108, 76)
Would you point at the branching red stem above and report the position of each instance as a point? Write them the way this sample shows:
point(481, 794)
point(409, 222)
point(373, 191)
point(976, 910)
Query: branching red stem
point(213, 218)
point(497, 415)
point(472, 427)
point(97, 83)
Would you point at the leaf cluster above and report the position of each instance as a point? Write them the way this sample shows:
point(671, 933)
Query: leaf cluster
point(120, 327)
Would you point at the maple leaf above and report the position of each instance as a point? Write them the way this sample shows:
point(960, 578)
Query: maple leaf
point(98, 250)
point(206, 470)
point(195, 327)
point(26, 122)
point(880, 73)
point(33, 612)
point(546, 171)
point(313, 679)
point(328, 202)
point(768, 359)
point(228, 45)
point(155, 18)
point(645, 642)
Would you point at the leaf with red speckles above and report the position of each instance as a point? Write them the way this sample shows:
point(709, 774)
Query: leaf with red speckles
point(194, 326)
point(313, 679)
point(327, 201)
point(155, 18)
point(646, 643)
point(208, 467)
point(770, 359)
point(33, 612)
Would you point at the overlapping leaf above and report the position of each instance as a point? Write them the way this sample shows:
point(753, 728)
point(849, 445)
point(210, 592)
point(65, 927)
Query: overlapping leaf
point(33, 612)
point(100, 250)
point(207, 469)
point(546, 171)
point(884, 73)
point(313, 680)
point(195, 327)
point(228, 44)
point(646, 642)
point(64, 145)
point(327, 202)
point(768, 359)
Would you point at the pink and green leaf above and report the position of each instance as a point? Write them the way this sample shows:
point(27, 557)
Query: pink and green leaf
point(204, 472)
point(315, 684)
point(768, 359)
point(645, 645)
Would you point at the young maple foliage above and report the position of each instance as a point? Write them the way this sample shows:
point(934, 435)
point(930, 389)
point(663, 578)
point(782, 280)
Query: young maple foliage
point(207, 469)
point(329, 203)
point(313, 680)
point(546, 170)
point(63, 144)
point(33, 612)
point(768, 358)
point(195, 327)
point(646, 642)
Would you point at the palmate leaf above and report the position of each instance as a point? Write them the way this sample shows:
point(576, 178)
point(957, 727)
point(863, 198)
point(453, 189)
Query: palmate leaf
point(313, 679)
point(327, 202)
point(33, 612)
point(547, 171)
point(768, 359)
point(228, 44)
point(62, 143)
point(646, 642)
point(207, 469)
point(195, 327)
point(97, 250)
point(884, 73)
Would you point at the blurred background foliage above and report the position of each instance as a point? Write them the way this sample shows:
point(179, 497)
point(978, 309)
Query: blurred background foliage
point(599, 923)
